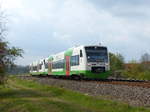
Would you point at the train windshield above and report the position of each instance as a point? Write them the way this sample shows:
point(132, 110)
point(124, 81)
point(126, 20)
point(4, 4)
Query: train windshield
point(96, 54)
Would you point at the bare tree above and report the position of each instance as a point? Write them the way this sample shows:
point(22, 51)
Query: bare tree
point(145, 57)
point(145, 62)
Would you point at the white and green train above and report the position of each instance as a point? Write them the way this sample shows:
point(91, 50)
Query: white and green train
point(82, 61)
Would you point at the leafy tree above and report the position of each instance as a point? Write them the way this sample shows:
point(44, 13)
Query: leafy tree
point(7, 57)
point(116, 62)
point(7, 54)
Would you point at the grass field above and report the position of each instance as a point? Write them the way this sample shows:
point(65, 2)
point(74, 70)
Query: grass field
point(28, 96)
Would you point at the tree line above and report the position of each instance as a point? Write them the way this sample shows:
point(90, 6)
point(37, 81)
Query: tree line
point(134, 69)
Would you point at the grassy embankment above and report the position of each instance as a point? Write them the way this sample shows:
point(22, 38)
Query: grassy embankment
point(29, 96)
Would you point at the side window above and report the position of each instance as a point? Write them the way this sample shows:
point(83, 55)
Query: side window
point(40, 66)
point(34, 68)
point(75, 60)
point(54, 65)
point(58, 64)
point(46, 65)
point(72, 60)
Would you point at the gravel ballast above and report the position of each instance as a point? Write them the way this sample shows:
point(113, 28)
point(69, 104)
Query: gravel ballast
point(136, 96)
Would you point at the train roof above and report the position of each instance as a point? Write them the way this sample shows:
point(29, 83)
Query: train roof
point(62, 53)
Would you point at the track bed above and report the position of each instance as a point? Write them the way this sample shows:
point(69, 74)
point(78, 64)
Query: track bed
point(136, 93)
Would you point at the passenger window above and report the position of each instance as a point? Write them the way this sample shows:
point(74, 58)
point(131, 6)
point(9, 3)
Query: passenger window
point(75, 60)
point(58, 64)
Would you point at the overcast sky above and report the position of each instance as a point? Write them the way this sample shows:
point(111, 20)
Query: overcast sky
point(45, 27)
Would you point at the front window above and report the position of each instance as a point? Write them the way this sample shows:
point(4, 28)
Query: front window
point(96, 54)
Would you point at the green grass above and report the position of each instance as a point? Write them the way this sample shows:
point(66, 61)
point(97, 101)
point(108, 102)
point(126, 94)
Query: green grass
point(29, 96)
point(134, 74)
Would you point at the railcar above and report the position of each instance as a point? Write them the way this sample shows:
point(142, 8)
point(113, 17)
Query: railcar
point(82, 61)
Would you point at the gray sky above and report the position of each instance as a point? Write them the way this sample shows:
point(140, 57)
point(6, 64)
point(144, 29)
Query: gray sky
point(44, 27)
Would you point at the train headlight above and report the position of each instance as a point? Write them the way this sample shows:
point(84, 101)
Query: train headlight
point(106, 64)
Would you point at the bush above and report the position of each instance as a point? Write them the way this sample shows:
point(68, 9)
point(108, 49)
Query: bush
point(116, 61)
point(137, 71)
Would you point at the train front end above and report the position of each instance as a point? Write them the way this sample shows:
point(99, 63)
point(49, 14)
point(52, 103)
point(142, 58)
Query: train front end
point(97, 62)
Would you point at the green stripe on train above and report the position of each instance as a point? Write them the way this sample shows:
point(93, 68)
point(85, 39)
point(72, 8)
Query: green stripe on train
point(89, 74)
point(86, 73)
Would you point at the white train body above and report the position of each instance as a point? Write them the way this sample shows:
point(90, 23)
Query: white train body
point(87, 61)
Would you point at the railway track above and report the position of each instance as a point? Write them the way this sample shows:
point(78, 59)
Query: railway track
point(128, 82)
point(145, 84)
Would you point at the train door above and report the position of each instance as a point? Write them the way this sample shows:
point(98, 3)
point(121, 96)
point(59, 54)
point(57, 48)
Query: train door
point(49, 67)
point(67, 65)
